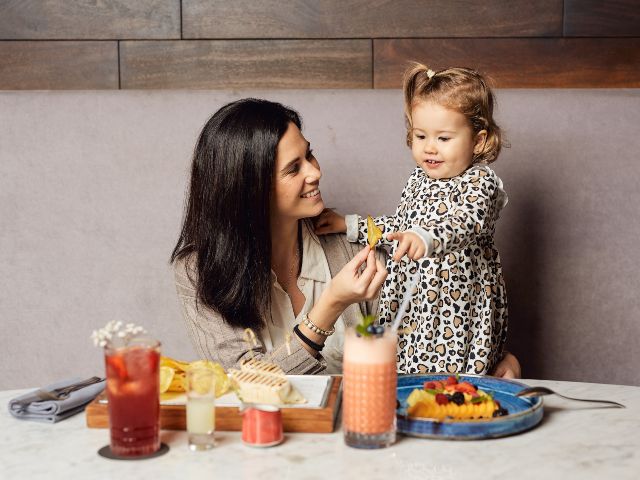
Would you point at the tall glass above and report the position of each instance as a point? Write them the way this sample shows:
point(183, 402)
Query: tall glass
point(133, 385)
point(369, 389)
point(201, 408)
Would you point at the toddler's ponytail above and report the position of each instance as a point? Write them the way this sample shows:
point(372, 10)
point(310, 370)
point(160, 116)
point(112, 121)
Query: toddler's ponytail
point(414, 84)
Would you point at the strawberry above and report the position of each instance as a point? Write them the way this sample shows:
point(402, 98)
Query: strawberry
point(116, 367)
point(465, 387)
point(451, 381)
point(430, 385)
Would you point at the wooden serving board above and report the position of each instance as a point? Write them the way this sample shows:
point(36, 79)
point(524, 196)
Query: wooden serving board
point(173, 417)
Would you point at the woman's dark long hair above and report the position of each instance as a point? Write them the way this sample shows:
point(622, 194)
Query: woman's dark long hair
point(227, 223)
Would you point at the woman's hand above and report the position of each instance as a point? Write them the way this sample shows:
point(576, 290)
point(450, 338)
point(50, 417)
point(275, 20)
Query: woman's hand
point(409, 243)
point(329, 221)
point(509, 367)
point(352, 284)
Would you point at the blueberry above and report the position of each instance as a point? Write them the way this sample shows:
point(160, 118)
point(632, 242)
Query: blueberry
point(379, 330)
point(500, 412)
point(458, 398)
point(371, 329)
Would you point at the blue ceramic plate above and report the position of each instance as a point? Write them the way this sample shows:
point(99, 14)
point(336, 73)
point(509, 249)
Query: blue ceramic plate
point(524, 413)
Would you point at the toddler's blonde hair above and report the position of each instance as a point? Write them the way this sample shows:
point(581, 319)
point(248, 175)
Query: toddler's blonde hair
point(461, 89)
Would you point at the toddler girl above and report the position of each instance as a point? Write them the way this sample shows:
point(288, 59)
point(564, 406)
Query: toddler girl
point(444, 227)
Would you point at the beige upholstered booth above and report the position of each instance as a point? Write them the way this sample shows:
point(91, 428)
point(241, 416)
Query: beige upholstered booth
point(92, 187)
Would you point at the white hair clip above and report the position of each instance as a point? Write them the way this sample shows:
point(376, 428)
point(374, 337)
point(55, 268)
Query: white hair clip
point(430, 73)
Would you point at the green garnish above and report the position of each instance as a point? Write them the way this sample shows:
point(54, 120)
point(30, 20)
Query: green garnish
point(431, 391)
point(367, 320)
point(479, 399)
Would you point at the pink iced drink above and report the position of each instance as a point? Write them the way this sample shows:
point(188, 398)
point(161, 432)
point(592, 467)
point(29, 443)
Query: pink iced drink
point(370, 380)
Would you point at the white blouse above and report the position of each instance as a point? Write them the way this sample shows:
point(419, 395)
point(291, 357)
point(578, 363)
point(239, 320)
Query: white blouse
point(314, 278)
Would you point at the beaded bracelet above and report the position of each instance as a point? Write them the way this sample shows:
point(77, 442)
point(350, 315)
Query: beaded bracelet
point(316, 346)
point(316, 329)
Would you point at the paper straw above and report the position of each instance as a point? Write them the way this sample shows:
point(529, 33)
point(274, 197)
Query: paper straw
point(405, 302)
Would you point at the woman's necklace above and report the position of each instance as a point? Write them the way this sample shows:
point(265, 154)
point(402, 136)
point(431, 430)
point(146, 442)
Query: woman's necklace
point(293, 270)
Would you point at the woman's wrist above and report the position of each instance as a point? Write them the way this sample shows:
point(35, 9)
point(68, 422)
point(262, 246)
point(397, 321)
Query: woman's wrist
point(323, 315)
point(327, 309)
point(334, 300)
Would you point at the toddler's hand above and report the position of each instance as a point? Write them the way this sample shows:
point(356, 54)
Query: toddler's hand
point(409, 243)
point(329, 222)
point(509, 367)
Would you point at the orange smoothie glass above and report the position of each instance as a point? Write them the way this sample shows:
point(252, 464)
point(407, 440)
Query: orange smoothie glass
point(369, 389)
point(133, 385)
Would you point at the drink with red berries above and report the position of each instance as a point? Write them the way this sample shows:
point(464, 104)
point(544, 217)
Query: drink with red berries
point(133, 394)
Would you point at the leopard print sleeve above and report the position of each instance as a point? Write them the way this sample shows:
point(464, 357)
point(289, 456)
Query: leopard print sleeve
point(467, 214)
point(391, 223)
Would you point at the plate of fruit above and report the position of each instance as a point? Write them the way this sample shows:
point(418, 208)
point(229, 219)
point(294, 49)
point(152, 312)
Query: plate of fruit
point(463, 407)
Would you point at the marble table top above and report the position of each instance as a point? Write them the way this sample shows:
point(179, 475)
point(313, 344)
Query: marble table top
point(574, 440)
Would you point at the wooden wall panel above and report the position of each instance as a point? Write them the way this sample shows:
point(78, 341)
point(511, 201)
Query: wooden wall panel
point(602, 18)
point(89, 19)
point(315, 43)
point(517, 63)
point(246, 64)
point(369, 18)
point(58, 65)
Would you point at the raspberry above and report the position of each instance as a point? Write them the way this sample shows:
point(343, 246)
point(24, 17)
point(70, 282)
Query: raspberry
point(441, 399)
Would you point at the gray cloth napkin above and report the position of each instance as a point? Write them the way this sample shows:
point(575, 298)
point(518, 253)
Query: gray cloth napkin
point(52, 411)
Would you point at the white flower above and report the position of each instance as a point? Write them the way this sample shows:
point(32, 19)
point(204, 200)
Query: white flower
point(103, 335)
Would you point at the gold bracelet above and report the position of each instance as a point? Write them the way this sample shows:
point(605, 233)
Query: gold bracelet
point(316, 329)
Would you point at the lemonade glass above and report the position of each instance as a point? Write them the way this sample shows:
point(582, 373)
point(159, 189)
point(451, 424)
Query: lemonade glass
point(201, 412)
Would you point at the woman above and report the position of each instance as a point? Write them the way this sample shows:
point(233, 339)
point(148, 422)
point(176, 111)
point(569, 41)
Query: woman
point(248, 258)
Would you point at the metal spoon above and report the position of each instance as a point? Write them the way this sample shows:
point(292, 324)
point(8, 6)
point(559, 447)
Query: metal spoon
point(541, 391)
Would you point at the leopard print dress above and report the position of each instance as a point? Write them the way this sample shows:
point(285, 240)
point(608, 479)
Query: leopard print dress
point(457, 317)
